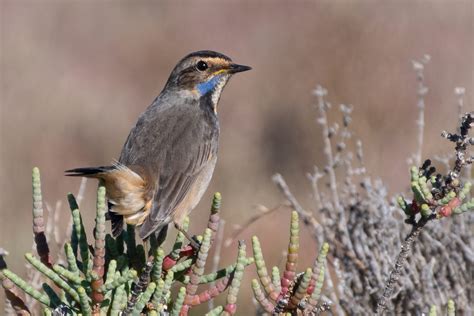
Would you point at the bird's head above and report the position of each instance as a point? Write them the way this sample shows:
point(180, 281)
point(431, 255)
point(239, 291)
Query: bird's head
point(203, 73)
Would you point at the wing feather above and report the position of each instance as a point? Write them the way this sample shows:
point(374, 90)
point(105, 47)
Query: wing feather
point(174, 144)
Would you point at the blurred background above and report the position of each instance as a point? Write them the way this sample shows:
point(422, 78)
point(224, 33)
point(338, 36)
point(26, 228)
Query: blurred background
point(75, 75)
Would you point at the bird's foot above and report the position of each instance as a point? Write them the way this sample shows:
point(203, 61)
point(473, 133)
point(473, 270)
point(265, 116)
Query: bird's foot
point(193, 241)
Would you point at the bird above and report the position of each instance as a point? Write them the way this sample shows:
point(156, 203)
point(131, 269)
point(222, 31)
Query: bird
point(168, 159)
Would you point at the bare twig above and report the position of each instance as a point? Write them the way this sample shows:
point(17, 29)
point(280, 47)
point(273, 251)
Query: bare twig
point(418, 66)
point(399, 262)
point(262, 212)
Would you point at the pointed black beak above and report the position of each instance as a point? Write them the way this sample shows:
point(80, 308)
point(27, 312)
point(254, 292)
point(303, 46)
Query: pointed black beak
point(234, 68)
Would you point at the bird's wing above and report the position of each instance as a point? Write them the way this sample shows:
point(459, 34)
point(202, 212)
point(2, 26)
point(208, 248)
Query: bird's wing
point(178, 190)
point(175, 147)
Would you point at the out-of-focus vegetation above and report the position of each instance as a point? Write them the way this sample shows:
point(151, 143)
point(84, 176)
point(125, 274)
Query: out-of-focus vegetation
point(75, 76)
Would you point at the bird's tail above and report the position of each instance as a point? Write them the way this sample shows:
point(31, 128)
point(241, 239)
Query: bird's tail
point(117, 222)
point(90, 172)
point(100, 173)
point(127, 193)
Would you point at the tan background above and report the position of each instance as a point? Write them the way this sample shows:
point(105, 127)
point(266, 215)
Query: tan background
point(76, 74)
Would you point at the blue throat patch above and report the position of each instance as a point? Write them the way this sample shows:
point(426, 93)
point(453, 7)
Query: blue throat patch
point(206, 87)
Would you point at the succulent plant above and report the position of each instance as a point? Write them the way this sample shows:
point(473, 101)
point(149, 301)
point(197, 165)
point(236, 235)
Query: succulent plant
point(291, 293)
point(114, 276)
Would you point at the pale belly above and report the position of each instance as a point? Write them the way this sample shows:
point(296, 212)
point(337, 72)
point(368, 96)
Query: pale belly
point(195, 193)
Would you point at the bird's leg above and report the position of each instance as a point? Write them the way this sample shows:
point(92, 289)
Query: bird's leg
point(146, 246)
point(161, 236)
point(195, 244)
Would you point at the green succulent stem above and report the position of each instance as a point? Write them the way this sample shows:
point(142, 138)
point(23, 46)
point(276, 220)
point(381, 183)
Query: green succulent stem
point(157, 264)
point(80, 235)
point(118, 281)
point(215, 311)
point(231, 305)
point(314, 299)
point(104, 280)
point(451, 308)
point(181, 266)
point(262, 269)
point(71, 276)
point(41, 242)
point(178, 244)
point(292, 256)
point(465, 190)
point(53, 276)
point(319, 263)
point(156, 298)
point(143, 299)
point(71, 259)
point(465, 207)
point(119, 301)
point(111, 270)
point(165, 295)
point(212, 277)
point(178, 304)
point(302, 289)
point(276, 278)
point(53, 297)
point(198, 267)
point(27, 288)
point(86, 309)
point(216, 203)
point(261, 298)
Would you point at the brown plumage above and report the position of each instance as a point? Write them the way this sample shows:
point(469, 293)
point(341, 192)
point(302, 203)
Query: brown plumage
point(168, 159)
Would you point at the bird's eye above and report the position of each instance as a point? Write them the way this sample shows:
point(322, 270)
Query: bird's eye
point(201, 65)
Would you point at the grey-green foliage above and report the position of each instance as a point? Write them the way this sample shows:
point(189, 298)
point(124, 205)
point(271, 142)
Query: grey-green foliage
point(120, 277)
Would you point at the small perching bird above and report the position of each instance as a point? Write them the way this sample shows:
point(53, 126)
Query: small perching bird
point(169, 156)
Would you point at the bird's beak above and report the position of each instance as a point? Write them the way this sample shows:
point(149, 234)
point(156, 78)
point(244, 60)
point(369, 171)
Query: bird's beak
point(235, 68)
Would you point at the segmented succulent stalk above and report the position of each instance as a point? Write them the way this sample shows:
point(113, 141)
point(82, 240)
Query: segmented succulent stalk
point(143, 299)
point(276, 279)
point(27, 288)
point(231, 307)
point(178, 244)
point(451, 308)
point(262, 269)
point(68, 275)
point(300, 293)
point(156, 301)
point(99, 248)
point(119, 301)
point(314, 299)
point(103, 281)
point(292, 256)
point(295, 288)
point(80, 238)
point(53, 276)
point(318, 264)
point(84, 301)
point(178, 304)
point(216, 311)
point(197, 269)
point(157, 264)
point(38, 220)
point(12, 292)
point(214, 218)
point(129, 275)
point(71, 259)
